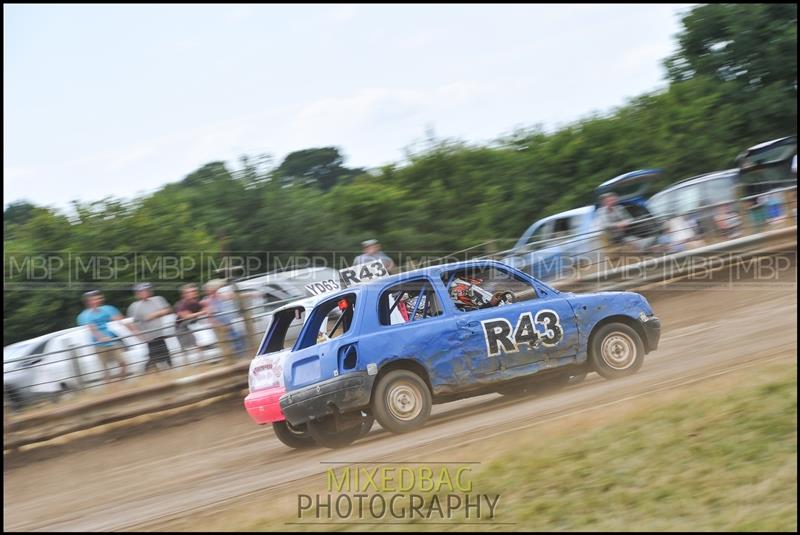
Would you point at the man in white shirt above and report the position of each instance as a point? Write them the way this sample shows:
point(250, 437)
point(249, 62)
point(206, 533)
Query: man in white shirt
point(147, 313)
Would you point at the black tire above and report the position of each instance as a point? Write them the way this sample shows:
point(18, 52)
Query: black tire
point(294, 437)
point(578, 377)
point(616, 350)
point(401, 401)
point(326, 434)
point(538, 385)
point(366, 424)
point(520, 390)
point(15, 398)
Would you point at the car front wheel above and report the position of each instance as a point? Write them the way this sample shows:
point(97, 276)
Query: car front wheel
point(616, 351)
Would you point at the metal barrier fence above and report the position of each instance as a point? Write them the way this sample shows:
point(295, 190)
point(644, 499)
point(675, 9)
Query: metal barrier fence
point(588, 264)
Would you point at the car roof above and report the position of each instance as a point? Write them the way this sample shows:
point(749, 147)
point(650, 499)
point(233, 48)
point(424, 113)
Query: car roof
point(583, 210)
point(433, 271)
point(628, 177)
point(306, 302)
point(768, 143)
point(290, 275)
point(691, 181)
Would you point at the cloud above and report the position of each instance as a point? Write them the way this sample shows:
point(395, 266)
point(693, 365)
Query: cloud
point(374, 106)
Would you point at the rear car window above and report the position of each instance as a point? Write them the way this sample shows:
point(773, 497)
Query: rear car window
point(409, 301)
point(330, 319)
point(276, 339)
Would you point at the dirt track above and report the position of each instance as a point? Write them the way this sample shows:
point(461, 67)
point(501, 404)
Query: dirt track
point(162, 475)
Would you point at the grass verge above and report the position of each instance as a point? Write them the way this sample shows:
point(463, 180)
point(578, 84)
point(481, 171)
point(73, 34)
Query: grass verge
point(717, 455)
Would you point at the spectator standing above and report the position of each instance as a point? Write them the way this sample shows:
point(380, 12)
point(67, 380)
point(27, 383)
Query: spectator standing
point(96, 316)
point(148, 312)
point(727, 221)
point(683, 234)
point(615, 221)
point(188, 309)
point(612, 218)
point(222, 313)
point(371, 251)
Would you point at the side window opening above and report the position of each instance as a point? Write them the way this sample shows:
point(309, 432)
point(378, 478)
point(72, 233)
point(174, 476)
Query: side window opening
point(276, 339)
point(476, 288)
point(562, 228)
point(407, 302)
point(720, 190)
point(543, 233)
point(330, 319)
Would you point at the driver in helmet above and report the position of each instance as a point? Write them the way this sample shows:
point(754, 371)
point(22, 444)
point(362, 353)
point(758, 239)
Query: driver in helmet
point(467, 294)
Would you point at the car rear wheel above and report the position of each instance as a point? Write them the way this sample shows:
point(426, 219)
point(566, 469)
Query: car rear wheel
point(328, 434)
point(616, 351)
point(294, 437)
point(402, 401)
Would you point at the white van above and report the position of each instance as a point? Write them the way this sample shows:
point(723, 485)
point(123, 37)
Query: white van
point(50, 365)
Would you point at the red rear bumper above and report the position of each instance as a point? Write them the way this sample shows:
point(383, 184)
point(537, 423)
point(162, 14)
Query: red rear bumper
point(264, 407)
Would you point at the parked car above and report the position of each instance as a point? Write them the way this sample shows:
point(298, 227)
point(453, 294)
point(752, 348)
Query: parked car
point(556, 246)
point(768, 177)
point(19, 368)
point(51, 365)
point(262, 293)
point(456, 342)
point(768, 165)
point(698, 201)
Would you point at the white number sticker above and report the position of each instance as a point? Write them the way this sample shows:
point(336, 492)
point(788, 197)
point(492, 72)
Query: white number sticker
point(362, 273)
point(323, 287)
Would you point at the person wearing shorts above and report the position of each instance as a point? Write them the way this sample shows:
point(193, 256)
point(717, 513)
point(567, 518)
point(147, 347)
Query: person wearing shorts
point(96, 316)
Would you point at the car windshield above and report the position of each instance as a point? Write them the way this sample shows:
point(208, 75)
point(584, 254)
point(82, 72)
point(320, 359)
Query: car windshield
point(775, 153)
point(16, 351)
point(768, 167)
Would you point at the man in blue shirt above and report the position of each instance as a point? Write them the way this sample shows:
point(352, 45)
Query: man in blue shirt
point(97, 316)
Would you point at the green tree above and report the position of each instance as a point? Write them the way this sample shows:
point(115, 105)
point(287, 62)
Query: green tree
point(323, 167)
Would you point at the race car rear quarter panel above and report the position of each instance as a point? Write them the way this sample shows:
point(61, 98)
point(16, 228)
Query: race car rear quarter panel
point(591, 309)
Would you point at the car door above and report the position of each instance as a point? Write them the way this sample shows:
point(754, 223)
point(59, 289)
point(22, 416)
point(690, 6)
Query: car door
point(432, 335)
point(539, 330)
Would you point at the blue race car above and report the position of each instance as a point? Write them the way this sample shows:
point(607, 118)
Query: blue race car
point(396, 345)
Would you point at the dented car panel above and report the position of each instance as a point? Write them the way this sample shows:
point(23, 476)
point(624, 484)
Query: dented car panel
point(457, 351)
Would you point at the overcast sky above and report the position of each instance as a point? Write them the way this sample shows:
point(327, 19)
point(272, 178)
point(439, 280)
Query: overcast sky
point(118, 100)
